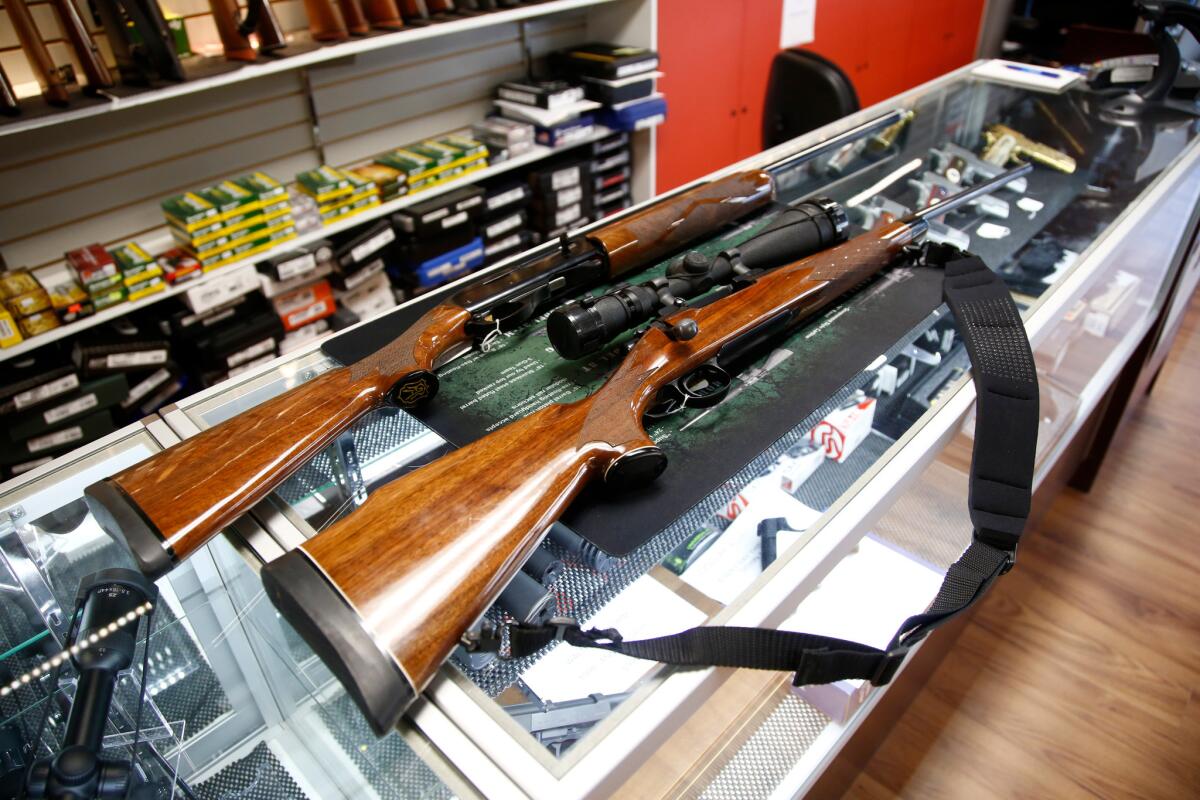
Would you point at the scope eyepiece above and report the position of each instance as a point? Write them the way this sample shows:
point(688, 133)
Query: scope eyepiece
point(583, 327)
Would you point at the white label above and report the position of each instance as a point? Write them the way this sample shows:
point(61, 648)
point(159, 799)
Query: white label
point(611, 162)
point(255, 350)
point(145, 387)
point(360, 277)
point(799, 23)
point(639, 67)
point(295, 301)
point(649, 122)
point(457, 219)
point(46, 391)
point(76, 406)
point(220, 316)
point(567, 215)
point(504, 198)
point(503, 226)
point(564, 178)
point(296, 266)
point(567, 97)
point(569, 197)
point(434, 216)
point(612, 196)
point(518, 97)
point(503, 244)
point(56, 439)
point(379, 240)
point(7, 329)
point(309, 314)
point(141, 359)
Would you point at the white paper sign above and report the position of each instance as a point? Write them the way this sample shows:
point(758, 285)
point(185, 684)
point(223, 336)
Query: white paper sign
point(644, 609)
point(734, 561)
point(799, 23)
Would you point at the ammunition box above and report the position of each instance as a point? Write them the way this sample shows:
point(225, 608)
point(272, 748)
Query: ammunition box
point(106, 285)
point(503, 227)
point(10, 333)
point(231, 201)
point(84, 430)
point(433, 218)
point(361, 193)
point(324, 184)
point(439, 154)
point(178, 265)
point(508, 246)
point(40, 322)
point(190, 211)
point(30, 385)
point(65, 295)
point(100, 393)
point(304, 305)
point(108, 298)
point(263, 185)
point(131, 258)
point(91, 265)
point(465, 146)
point(145, 288)
point(503, 200)
point(103, 358)
point(16, 283)
point(31, 302)
point(349, 209)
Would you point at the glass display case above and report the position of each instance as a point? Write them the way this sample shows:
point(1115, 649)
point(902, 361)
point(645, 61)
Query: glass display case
point(1087, 254)
point(221, 700)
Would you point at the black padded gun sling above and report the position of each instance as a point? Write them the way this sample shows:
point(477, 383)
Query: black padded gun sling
point(1000, 486)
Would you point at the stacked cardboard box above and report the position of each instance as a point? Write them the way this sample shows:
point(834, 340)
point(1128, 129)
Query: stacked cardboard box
point(231, 220)
point(440, 239)
point(25, 308)
point(338, 194)
point(562, 197)
point(610, 168)
point(434, 162)
point(621, 79)
point(505, 227)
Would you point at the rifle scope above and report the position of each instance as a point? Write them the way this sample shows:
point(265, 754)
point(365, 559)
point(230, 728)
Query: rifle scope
point(586, 326)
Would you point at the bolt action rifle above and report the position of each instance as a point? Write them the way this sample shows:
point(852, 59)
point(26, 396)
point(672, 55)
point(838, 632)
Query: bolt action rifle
point(94, 68)
point(171, 504)
point(384, 595)
point(235, 31)
point(53, 78)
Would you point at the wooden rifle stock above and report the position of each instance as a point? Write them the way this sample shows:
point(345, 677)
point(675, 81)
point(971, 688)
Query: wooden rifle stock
point(384, 14)
point(234, 42)
point(356, 20)
point(52, 78)
point(325, 21)
point(94, 68)
point(9, 106)
point(384, 594)
point(172, 503)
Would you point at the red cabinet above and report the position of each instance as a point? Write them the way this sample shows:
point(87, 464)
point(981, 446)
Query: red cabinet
point(717, 57)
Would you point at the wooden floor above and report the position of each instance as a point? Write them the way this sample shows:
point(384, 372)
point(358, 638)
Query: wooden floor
point(1080, 675)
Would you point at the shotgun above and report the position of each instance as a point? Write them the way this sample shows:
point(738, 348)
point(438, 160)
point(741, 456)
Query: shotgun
point(140, 40)
point(94, 68)
point(53, 79)
point(9, 105)
point(170, 505)
point(384, 595)
point(325, 21)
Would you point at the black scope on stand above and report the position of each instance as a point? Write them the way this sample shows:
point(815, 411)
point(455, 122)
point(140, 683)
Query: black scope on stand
point(585, 326)
point(76, 771)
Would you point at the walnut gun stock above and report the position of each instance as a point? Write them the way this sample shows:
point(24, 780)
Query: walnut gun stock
point(94, 68)
point(383, 14)
point(52, 78)
point(325, 21)
point(171, 504)
point(356, 20)
point(384, 594)
point(234, 42)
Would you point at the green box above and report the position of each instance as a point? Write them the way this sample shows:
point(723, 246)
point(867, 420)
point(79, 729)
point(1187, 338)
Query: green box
point(263, 185)
point(229, 199)
point(324, 184)
point(109, 298)
point(189, 211)
point(131, 258)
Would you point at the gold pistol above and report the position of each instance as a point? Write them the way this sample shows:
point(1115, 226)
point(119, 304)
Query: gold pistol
point(1003, 145)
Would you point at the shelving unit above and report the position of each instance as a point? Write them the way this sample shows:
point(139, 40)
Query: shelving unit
point(324, 54)
point(536, 154)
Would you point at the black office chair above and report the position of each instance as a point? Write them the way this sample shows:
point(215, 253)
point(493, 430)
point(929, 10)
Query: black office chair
point(805, 91)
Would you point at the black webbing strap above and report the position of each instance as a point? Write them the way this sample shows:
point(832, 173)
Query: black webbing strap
point(1000, 485)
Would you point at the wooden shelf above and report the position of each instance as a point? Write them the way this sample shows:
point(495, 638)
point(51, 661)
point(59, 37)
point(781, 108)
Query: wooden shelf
point(320, 55)
point(164, 242)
